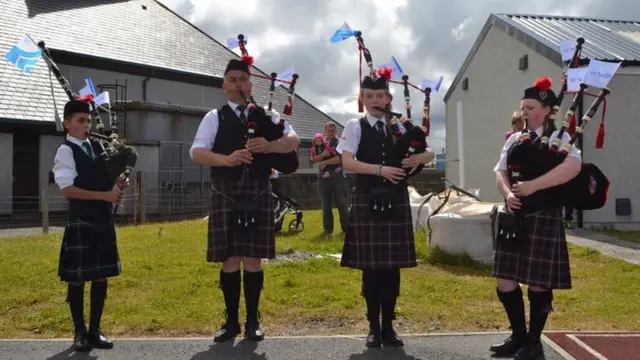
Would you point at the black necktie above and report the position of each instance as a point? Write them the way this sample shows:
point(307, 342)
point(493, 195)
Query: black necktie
point(242, 116)
point(380, 126)
point(533, 135)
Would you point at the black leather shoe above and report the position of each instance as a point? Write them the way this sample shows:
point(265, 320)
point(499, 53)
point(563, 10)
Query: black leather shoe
point(228, 332)
point(373, 339)
point(509, 347)
point(81, 342)
point(98, 340)
point(253, 332)
point(530, 351)
point(390, 337)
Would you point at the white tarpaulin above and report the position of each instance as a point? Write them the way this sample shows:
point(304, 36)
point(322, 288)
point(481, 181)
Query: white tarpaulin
point(457, 223)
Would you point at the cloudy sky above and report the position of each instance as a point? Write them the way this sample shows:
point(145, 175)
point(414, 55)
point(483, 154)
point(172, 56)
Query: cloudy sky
point(429, 38)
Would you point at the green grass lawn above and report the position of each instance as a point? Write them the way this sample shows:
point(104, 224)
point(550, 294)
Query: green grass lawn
point(168, 289)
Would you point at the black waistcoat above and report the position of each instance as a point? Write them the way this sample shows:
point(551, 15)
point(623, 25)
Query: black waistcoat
point(374, 149)
point(232, 136)
point(92, 176)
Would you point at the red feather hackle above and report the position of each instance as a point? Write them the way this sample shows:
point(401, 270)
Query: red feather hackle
point(86, 98)
point(248, 59)
point(543, 84)
point(385, 72)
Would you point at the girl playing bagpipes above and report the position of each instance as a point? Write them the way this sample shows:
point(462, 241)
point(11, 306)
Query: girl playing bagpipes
point(379, 240)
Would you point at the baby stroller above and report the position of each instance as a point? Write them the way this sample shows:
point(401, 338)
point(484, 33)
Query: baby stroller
point(284, 205)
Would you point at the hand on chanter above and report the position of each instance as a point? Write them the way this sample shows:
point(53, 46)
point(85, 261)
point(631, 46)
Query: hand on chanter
point(523, 188)
point(258, 145)
point(392, 174)
point(513, 202)
point(114, 196)
point(238, 157)
point(122, 182)
point(412, 161)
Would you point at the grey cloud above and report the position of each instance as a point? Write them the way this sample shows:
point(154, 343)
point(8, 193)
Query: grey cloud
point(321, 65)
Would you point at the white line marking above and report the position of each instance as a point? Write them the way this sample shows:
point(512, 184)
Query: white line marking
point(557, 348)
point(587, 347)
point(609, 335)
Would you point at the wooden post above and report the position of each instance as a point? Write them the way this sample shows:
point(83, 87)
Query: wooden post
point(45, 212)
point(143, 206)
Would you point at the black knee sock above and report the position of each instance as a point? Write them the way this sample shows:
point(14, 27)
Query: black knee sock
point(514, 306)
point(371, 295)
point(230, 285)
point(253, 283)
point(540, 307)
point(75, 298)
point(98, 295)
point(390, 292)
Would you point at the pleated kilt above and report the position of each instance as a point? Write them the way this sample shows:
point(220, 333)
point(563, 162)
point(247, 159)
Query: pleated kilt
point(225, 241)
point(89, 251)
point(373, 244)
point(541, 256)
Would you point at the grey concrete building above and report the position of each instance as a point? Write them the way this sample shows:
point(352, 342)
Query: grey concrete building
point(163, 74)
point(510, 52)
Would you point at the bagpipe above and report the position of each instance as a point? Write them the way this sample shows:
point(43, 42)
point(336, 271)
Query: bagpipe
point(528, 159)
point(258, 120)
point(119, 158)
point(413, 140)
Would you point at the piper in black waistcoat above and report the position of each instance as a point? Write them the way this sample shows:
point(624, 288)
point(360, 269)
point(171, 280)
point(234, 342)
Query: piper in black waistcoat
point(89, 251)
point(241, 214)
point(379, 240)
point(538, 255)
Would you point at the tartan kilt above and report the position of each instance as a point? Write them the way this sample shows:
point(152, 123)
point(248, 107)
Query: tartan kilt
point(541, 256)
point(225, 241)
point(89, 252)
point(371, 244)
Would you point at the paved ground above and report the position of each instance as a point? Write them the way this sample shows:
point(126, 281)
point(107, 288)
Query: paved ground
point(419, 347)
point(622, 249)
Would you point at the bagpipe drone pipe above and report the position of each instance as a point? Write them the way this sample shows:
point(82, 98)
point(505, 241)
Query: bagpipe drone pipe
point(260, 120)
point(119, 158)
point(528, 160)
point(413, 140)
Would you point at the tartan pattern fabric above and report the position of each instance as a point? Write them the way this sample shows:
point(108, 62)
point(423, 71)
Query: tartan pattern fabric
point(541, 256)
point(372, 244)
point(89, 251)
point(224, 241)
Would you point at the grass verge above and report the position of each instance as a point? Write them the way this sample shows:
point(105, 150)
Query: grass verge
point(168, 289)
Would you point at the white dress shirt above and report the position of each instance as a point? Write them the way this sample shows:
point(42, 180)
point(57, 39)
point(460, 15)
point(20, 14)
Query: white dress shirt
point(502, 163)
point(350, 138)
point(64, 166)
point(208, 129)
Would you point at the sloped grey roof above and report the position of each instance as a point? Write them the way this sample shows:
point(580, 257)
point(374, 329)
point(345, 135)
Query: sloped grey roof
point(155, 36)
point(607, 40)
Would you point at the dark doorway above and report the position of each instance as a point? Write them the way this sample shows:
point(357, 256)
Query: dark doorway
point(26, 174)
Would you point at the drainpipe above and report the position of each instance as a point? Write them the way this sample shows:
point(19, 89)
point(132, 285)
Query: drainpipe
point(144, 87)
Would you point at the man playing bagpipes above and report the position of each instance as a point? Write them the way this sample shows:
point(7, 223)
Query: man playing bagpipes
point(332, 180)
point(89, 251)
point(241, 144)
point(379, 240)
